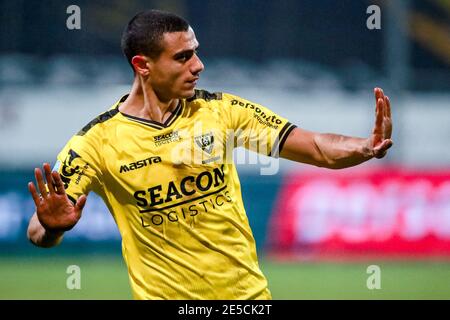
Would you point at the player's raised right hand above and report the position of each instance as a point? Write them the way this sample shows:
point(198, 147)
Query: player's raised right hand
point(54, 209)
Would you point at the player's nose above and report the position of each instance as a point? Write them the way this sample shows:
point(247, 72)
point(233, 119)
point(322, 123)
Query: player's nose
point(197, 65)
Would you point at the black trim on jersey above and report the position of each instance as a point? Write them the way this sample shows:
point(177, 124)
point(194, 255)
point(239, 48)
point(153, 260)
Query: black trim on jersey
point(156, 124)
point(284, 133)
point(101, 118)
point(205, 95)
point(184, 202)
point(123, 99)
point(72, 199)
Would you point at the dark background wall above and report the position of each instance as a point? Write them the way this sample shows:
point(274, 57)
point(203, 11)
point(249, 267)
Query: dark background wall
point(329, 33)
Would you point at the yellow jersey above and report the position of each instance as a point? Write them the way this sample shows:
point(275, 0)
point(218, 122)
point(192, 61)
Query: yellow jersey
point(174, 192)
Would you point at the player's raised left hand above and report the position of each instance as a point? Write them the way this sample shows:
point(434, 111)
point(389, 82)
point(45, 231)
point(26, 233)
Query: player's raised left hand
point(380, 139)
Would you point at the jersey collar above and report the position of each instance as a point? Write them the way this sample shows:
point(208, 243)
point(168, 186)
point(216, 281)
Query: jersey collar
point(154, 124)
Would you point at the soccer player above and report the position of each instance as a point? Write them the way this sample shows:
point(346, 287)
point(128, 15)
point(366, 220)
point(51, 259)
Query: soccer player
point(159, 158)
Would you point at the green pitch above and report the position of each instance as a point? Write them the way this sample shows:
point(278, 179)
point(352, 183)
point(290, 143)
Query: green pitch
point(105, 277)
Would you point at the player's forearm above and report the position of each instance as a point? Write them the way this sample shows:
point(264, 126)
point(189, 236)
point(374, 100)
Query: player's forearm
point(338, 151)
point(41, 237)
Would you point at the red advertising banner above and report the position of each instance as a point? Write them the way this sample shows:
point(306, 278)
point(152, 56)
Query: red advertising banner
point(378, 211)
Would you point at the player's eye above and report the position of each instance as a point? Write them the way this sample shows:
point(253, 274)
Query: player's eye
point(185, 56)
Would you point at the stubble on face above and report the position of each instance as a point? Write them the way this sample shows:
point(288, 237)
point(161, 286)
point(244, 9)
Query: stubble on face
point(175, 72)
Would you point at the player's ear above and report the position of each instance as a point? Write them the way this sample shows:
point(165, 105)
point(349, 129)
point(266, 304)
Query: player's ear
point(141, 65)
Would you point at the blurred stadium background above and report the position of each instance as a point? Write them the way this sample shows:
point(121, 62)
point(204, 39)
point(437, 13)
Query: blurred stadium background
point(314, 62)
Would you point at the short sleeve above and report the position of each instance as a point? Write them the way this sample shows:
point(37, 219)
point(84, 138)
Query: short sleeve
point(254, 126)
point(78, 167)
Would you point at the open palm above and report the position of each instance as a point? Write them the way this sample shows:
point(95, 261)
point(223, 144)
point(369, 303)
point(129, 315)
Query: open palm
point(380, 139)
point(54, 209)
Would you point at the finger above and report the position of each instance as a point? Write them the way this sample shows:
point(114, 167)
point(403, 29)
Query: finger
point(81, 202)
point(388, 106)
point(58, 183)
point(383, 147)
point(48, 177)
point(40, 182)
point(381, 155)
point(387, 144)
point(378, 117)
point(34, 193)
point(378, 94)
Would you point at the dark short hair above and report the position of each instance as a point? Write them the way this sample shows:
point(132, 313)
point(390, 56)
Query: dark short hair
point(144, 32)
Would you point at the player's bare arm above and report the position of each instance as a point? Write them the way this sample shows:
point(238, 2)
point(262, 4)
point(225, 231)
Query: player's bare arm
point(55, 213)
point(336, 151)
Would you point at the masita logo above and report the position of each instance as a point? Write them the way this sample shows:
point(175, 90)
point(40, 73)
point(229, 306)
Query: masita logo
point(139, 164)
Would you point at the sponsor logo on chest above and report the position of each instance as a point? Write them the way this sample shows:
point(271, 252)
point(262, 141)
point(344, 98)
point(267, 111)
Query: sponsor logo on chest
point(166, 138)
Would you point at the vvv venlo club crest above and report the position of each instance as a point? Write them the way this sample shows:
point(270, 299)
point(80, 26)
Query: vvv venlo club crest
point(205, 142)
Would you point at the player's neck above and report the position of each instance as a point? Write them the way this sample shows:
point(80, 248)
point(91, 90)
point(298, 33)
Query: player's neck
point(144, 103)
